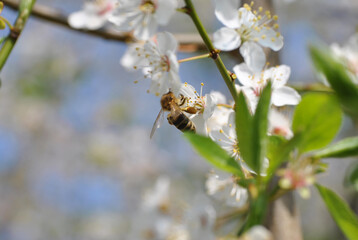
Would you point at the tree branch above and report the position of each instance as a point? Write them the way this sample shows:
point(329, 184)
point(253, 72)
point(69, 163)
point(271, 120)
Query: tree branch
point(188, 42)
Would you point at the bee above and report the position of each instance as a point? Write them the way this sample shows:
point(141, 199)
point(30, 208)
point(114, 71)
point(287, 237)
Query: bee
point(176, 116)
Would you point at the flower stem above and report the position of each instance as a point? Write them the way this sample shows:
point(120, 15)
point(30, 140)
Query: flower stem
point(195, 58)
point(7, 22)
point(214, 54)
point(24, 12)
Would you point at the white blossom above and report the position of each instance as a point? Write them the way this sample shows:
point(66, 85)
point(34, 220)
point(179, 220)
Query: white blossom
point(204, 106)
point(254, 82)
point(348, 53)
point(249, 29)
point(279, 124)
point(142, 17)
point(94, 15)
point(157, 58)
point(158, 197)
point(223, 187)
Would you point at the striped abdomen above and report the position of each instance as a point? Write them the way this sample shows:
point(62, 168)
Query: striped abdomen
point(182, 122)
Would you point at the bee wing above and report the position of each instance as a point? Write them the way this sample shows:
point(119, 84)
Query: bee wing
point(158, 122)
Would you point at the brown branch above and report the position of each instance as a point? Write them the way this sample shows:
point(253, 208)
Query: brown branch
point(188, 42)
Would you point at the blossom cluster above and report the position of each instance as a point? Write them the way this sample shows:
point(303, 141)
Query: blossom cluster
point(251, 31)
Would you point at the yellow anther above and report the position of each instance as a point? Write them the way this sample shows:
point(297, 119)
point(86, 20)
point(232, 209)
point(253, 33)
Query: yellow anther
point(137, 48)
point(252, 3)
point(275, 17)
point(259, 17)
point(260, 9)
point(273, 39)
point(256, 39)
point(276, 26)
point(267, 12)
point(135, 81)
point(255, 12)
point(278, 34)
point(157, 94)
point(230, 125)
point(135, 67)
point(263, 36)
point(257, 29)
point(202, 84)
point(221, 131)
point(147, 91)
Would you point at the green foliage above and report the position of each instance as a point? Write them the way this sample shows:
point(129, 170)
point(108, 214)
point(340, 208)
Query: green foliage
point(2, 24)
point(278, 151)
point(351, 179)
point(252, 130)
point(341, 213)
point(337, 76)
point(214, 154)
point(345, 148)
point(317, 119)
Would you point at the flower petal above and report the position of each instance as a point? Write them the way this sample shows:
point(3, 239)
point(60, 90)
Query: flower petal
point(165, 10)
point(280, 75)
point(77, 19)
point(166, 42)
point(269, 38)
point(226, 39)
point(253, 55)
point(285, 96)
point(227, 12)
point(147, 28)
point(244, 74)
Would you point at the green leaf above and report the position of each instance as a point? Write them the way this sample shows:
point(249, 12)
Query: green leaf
point(341, 213)
point(279, 150)
point(351, 179)
point(214, 154)
point(252, 130)
point(345, 148)
point(317, 118)
point(337, 76)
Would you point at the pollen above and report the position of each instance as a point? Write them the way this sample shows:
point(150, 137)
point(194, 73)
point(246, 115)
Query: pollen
point(276, 26)
point(263, 36)
point(157, 94)
point(260, 9)
point(202, 84)
point(230, 125)
point(135, 81)
point(275, 17)
point(278, 34)
point(273, 39)
point(221, 131)
point(135, 67)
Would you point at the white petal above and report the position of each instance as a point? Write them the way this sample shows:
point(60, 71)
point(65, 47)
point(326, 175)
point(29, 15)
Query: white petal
point(251, 98)
point(253, 55)
point(77, 19)
point(131, 58)
point(147, 28)
point(200, 124)
point(126, 22)
point(280, 75)
point(166, 42)
point(285, 96)
point(227, 12)
point(244, 74)
point(209, 106)
point(165, 10)
point(187, 90)
point(226, 39)
point(247, 18)
point(270, 39)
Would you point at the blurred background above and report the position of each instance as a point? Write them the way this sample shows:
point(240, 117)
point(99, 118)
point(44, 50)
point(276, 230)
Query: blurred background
point(75, 153)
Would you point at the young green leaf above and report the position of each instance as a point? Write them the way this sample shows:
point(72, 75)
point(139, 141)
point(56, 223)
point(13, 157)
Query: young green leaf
point(252, 130)
point(278, 151)
point(337, 76)
point(214, 154)
point(341, 213)
point(317, 118)
point(351, 179)
point(345, 148)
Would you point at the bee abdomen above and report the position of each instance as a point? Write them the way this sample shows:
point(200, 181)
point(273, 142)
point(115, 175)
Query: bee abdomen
point(183, 123)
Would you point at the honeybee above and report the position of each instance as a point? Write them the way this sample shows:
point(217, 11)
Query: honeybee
point(176, 116)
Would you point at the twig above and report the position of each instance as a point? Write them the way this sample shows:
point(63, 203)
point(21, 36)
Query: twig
point(25, 7)
point(188, 42)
